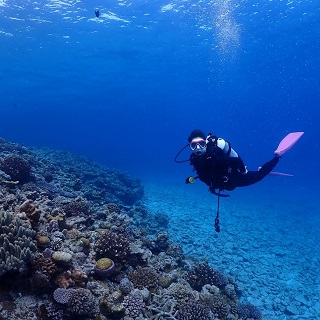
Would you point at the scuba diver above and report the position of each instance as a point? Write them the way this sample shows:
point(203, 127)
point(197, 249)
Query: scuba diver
point(220, 167)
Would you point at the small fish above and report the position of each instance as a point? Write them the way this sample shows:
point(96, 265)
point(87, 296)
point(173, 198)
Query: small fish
point(97, 13)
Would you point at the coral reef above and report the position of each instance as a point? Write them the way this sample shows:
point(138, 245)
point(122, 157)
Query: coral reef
point(112, 245)
point(193, 310)
point(45, 265)
point(83, 303)
point(50, 311)
point(202, 274)
point(133, 304)
point(70, 222)
point(63, 295)
point(144, 278)
point(125, 285)
point(76, 207)
point(104, 267)
point(182, 292)
point(248, 311)
point(16, 167)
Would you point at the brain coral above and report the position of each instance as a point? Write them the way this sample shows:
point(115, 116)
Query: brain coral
point(16, 244)
point(16, 167)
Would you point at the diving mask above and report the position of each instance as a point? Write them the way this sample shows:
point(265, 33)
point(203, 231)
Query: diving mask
point(197, 144)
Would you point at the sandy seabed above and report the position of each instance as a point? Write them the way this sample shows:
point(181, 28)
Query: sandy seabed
point(267, 245)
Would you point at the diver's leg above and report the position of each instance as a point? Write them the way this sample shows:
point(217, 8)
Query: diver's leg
point(255, 176)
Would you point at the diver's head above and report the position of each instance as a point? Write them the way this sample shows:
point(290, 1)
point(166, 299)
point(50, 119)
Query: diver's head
point(197, 142)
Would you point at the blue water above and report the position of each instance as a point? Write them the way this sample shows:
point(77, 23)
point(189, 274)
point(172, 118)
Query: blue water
point(126, 89)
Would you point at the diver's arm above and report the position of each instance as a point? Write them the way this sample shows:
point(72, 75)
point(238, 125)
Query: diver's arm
point(214, 143)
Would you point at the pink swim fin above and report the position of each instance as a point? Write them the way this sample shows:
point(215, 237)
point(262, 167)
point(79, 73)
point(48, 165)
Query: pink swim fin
point(287, 143)
point(275, 173)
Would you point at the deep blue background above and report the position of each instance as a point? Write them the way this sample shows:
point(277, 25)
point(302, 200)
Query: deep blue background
point(126, 93)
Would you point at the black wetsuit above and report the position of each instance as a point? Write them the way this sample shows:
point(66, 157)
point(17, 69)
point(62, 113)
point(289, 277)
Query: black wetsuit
point(221, 172)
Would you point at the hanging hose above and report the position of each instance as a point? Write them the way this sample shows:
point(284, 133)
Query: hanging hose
point(216, 220)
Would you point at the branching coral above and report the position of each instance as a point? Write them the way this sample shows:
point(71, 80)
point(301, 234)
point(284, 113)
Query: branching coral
point(50, 311)
point(162, 307)
point(134, 305)
point(203, 274)
point(71, 278)
point(76, 207)
point(144, 278)
point(218, 307)
point(83, 303)
point(112, 245)
point(45, 265)
point(182, 292)
point(16, 244)
point(194, 310)
point(247, 311)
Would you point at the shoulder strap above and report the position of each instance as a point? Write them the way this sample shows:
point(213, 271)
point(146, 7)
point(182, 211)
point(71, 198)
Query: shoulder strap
point(229, 150)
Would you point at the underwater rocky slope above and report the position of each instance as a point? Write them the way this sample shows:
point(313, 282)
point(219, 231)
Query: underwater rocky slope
point(77, 242)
